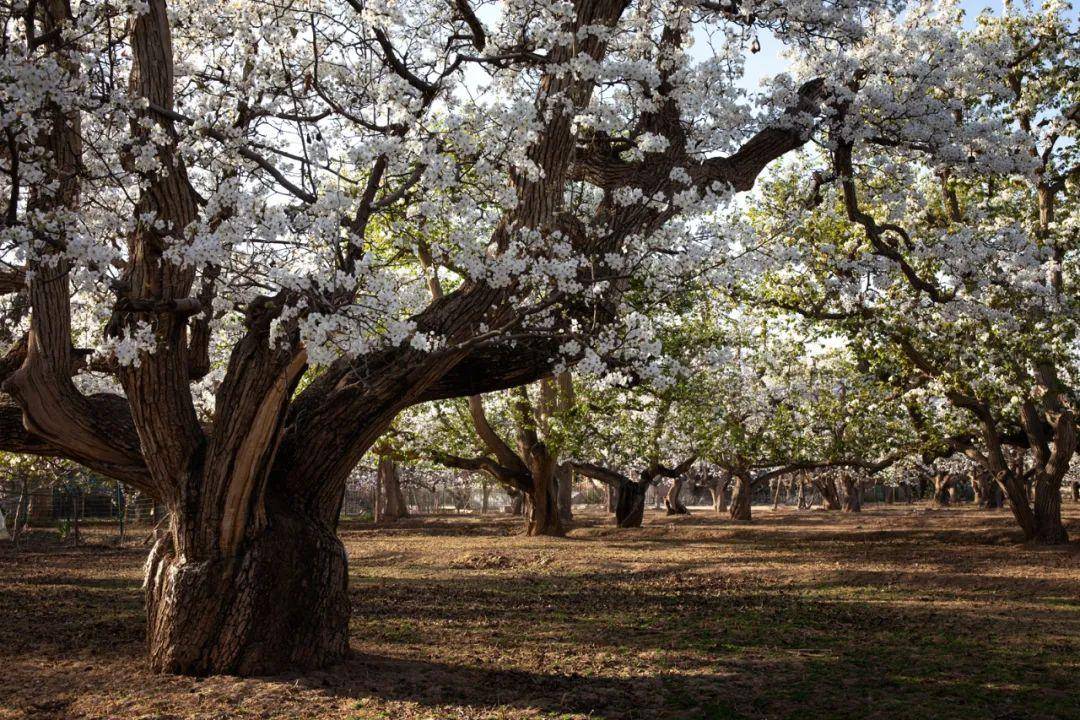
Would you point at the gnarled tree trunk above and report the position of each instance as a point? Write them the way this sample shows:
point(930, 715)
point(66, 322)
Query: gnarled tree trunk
point(942, 484)
point(830, 498)
point(1049, 529)
point(391, 501)
point(672, 500)
point(741, 499)
point(280, 602)
point(542, 499)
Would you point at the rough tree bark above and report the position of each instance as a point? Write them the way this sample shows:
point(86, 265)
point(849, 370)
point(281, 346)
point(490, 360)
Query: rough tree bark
point(741, 497)
point(391, 501)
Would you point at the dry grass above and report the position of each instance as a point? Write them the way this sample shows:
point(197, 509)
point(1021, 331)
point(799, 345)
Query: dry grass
point(894, 613)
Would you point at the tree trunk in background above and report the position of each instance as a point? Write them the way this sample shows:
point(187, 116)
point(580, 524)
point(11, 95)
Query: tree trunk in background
point(517, 504)
point(612, 496)
point(719, 497)
point(672, 501)
point(564, 476)
point(19, 520)
point(1075, 486)
point(802, 499)
point(830, 498)
point(852, 494)
point(41, 507)
point(942, 483)
point(630, 504)
point(485, 492)
point(774, 486)
point(741, 499)
point(280, 603)
point(391, 500)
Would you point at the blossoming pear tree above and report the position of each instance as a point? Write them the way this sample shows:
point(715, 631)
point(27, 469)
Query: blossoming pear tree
point(951, 258)
point(220, 220)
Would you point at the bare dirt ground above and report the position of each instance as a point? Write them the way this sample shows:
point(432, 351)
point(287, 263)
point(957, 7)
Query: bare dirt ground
point(897, 612)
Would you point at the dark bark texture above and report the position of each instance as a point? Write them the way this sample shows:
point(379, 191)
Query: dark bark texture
point(280, 603)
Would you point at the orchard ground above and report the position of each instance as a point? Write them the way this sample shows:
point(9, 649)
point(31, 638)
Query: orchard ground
point(897, 612)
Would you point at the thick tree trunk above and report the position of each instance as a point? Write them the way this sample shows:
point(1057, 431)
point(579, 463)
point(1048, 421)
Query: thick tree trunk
point(829, 497)
point(1016, 492)
point(542, 503)
point(672, 501)
point(1049, 529)
point(564, 475)
point(1075, 487)
point(741, 499)
point(280, 603)
point(391, 501)
point(630, 504)
point(852, 495)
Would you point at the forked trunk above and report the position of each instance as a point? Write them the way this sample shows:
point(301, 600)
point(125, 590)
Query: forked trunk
point(672, 501)
point(630, 504)
point(719, 497)
point(829, 497)
point(805, 499)
point(942, 483)
point(740, 499)
point(280, 603)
